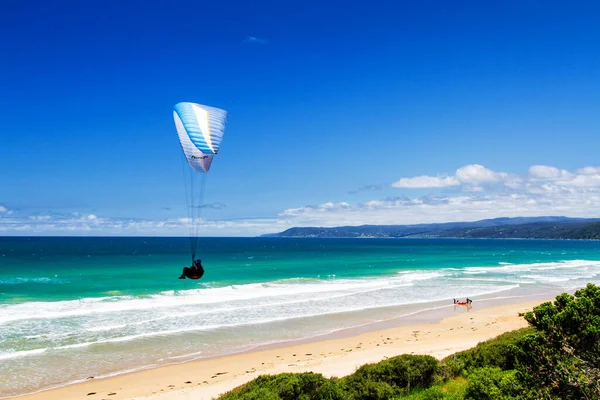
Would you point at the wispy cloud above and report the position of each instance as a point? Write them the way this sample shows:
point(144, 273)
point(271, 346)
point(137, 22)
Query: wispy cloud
point(255, 40)
point(215, 206)
point(5, 210)
point(366, 189)
point(95, 225)
point(425, 181)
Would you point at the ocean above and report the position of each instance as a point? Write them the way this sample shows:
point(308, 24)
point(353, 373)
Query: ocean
point(71, 308)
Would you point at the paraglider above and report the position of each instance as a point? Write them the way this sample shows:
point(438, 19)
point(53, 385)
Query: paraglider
point(200, 130)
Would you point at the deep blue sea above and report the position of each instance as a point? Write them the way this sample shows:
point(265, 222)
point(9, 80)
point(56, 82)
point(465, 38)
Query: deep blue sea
point(71, 308)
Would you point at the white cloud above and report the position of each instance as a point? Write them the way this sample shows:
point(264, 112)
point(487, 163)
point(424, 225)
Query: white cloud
point(583, 181)
point(476, 174)
point(425, 181)
point(554, 179)
point(544, 172)
point(325, 207)
point(589, 171)
point(5, 211)
point(477, 178)
point(470, 178)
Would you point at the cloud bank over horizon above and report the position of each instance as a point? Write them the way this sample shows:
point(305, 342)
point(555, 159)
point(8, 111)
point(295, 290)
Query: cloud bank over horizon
point(472, 193)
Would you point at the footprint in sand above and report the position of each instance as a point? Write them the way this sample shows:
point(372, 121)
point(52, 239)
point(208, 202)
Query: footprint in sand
point(91, 393)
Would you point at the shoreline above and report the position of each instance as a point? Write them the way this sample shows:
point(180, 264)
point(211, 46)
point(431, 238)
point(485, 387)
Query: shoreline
point(337, 353)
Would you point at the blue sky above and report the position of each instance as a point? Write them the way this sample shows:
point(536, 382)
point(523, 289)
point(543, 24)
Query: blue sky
point(386, 112)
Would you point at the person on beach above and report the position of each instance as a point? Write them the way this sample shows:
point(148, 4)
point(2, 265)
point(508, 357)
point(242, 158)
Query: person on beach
point(196, 271)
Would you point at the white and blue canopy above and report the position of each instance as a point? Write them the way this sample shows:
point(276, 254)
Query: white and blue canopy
point(200, 129)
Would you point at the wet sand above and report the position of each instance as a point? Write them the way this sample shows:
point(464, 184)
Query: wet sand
point(337, 354)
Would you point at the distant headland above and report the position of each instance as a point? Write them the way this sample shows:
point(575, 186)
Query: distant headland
point(550, 227)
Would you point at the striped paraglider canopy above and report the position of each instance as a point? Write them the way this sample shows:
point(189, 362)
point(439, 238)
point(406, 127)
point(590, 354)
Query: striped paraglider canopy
point(200, 129)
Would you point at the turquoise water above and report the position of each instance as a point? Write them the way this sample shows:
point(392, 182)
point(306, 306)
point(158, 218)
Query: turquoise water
point(75, 307)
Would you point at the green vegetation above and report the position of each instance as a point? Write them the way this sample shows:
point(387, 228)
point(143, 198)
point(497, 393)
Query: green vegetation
point(557, 357)
point(492, 353)
point(538, 230)
point(562, 358)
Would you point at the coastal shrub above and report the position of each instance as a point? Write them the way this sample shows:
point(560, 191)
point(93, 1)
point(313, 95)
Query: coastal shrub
point(289, 386)
point(443, 374)
point(452, 389)
point(370, 390)
point(561, 359)
point(387, 378)
point(432, 393)
point(497, 352)
point(491, 383)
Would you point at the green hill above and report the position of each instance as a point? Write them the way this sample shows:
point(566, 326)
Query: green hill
point(525, 228)
point(538, 230)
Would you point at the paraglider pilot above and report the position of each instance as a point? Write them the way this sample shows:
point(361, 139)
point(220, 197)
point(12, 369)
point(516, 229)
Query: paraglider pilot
point(196, 271)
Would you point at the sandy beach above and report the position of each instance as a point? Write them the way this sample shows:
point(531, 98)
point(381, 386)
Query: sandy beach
point(338, 356)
